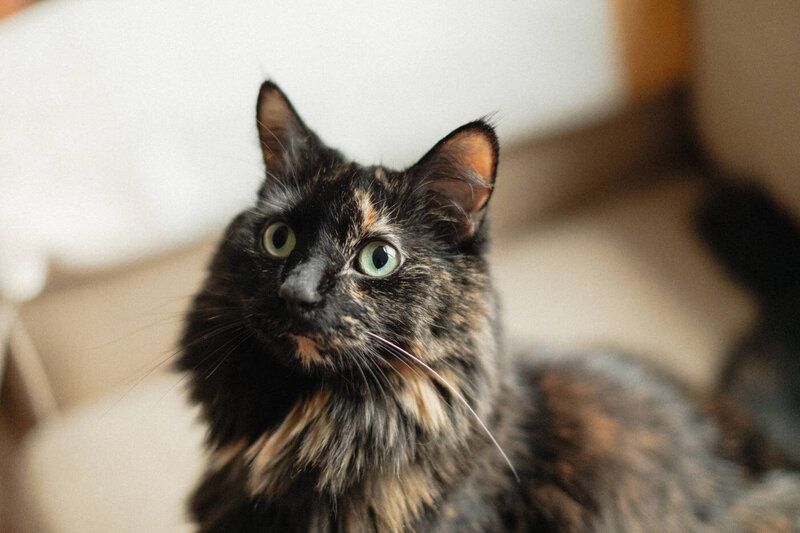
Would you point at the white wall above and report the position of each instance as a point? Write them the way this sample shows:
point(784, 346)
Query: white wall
point(127, 127)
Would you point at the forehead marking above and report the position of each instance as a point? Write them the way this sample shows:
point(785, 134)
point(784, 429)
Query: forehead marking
point(372, 220)
point(369, 215)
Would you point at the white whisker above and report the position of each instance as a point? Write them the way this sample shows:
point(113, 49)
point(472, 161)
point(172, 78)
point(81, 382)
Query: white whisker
point(454, 391)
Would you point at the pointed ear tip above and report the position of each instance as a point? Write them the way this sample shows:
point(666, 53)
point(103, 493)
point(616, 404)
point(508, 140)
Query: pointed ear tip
point(268, 86)
point(481, 128)
point(484, 127)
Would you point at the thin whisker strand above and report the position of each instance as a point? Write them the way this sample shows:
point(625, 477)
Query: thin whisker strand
point(454, 391)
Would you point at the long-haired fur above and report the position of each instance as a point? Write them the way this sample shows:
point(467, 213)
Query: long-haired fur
point(387, 404)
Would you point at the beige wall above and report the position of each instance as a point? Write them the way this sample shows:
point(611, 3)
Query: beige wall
point(747, 90)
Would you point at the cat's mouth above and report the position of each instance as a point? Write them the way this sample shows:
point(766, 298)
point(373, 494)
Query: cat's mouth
point(305, 341)
point(324, 342)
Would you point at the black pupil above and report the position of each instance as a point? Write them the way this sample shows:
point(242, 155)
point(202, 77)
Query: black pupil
point(380, 257)
point(280, 236)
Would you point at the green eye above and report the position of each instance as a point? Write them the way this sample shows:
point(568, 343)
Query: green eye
point(279, 239)
point(378, 259)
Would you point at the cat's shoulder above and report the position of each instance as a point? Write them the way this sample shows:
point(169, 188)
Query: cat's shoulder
point(609, 400)
point(598, 371)
point(607, 436)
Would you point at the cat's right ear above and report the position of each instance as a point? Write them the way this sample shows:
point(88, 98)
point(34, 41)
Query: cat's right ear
point(283, 135)
point(459, 172)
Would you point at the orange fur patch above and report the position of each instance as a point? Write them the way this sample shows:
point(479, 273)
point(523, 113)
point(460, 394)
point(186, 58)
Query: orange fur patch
point(397, 499)
point(367, 209)
point(263, 453)
point(224, 455)
point(307, 350)
point(420, 399)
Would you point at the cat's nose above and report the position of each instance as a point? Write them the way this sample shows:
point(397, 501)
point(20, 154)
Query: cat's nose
point(298, 293)
point(301, 286)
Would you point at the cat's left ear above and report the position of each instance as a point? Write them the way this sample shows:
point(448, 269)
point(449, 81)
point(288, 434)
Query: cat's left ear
point(283, 135)
point(460, 172)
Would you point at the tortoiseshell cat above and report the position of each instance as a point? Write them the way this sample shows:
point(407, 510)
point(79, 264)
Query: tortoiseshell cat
point(346, 354)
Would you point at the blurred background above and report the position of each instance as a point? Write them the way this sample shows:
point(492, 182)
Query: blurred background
point(127, 142)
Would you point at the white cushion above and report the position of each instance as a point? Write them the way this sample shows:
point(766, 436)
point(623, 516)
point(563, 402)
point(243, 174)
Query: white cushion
point(123, 463)
point(128, 127)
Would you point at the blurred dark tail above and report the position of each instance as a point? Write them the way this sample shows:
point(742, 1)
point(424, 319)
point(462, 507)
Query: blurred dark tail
point(759, 243)
point(756, 239)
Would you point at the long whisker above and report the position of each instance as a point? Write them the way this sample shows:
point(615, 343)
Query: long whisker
point(363, 375)
point(417, 372)
point(394, 354)
point(241, 338)
point(368, 368)
point(454, 391)
point(244, 338)
point(165, 358)
point(273, 135)
point(378, 366)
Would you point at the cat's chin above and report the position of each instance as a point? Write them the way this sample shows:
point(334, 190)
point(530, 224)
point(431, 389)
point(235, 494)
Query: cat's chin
point(304, 353)
point(308, 351)
point(320, 356)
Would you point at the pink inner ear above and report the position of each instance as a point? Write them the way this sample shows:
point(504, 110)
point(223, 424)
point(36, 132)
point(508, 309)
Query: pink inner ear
point(273, 118)
point(274, 111)
point(470, 151)
point(478, 154)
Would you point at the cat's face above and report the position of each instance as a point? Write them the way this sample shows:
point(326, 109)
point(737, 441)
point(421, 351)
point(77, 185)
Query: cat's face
point(334, 254)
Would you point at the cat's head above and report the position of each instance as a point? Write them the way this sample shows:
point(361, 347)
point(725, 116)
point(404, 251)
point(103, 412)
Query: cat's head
point(334, 254)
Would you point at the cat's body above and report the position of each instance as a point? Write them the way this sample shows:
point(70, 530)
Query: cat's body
point(347, 357)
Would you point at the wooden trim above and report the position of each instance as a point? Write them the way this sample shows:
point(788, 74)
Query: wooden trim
point(34, 384)
point(654, 42)
point(9, 7)
point(8, 315)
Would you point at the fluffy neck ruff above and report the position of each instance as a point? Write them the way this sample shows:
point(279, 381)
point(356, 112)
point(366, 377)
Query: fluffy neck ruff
point(314, 453)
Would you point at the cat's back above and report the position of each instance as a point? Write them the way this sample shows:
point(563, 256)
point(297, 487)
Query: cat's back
point(615, 446)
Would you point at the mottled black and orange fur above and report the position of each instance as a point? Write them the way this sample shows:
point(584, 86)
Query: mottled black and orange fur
point(315, 426)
